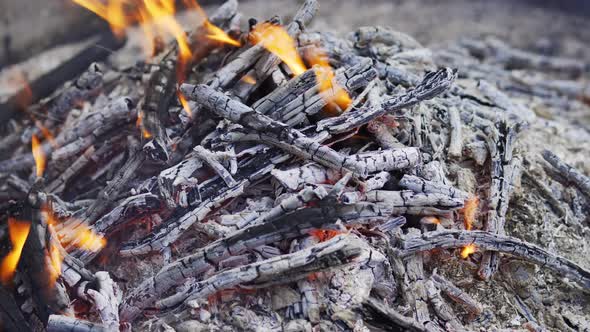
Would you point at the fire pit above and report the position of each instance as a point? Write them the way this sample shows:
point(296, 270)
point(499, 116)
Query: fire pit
point(262, 175)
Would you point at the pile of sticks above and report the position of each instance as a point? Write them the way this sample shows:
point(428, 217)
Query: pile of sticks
point(267, 206)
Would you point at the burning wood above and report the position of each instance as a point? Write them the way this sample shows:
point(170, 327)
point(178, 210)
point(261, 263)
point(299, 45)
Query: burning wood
point(289, 167)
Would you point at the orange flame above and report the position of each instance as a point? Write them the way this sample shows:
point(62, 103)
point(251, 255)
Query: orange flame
point(215, 33)
point(113, 12)
point(470, 211)
point(468, 250)
point(82, 236)
point(39, 156)
point(55, 259)
point(139, 123)
point(185, 104)
point(87, 239)
point(325, 75)
point(277, 41)
point(18, 232)
point(162, 14)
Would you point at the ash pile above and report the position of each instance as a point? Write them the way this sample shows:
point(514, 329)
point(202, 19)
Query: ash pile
point(275, 178)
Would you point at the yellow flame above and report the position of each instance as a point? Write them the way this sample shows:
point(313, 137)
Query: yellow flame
point(162, 14)
point(277, 41)
point(113, 12)
point(18, 232)
point(470, 211)
point(81, 235)
point(87, 239)
point(215, 33)
point(39, 156)
point(325, 75)
point(185, 104)
point(468, 250)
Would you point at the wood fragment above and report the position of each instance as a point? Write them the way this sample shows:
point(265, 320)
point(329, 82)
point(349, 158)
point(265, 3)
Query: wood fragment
point(503, 244)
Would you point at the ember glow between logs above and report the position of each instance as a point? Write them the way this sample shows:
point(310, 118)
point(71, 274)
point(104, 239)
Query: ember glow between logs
point(468, 250)
point(18, 232)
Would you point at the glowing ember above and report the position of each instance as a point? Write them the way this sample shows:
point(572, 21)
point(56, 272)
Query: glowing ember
point(248, 79)
point(324, 234)
point(431, 220)
point(277, 41)
point(325, 76)
point(470, 211)
point(39, 156)
point(468, 250)
point(185, 104)
point(18, 232)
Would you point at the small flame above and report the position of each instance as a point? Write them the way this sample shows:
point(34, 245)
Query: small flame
point(18, 232)
point(325, 75)
point(55, 259)
point(184, 103)
point(277, 41)
point(468, 250)
point(215, 33)
point(139, 123)
point(39, 156)
point(470, 211)
point(88, 240)
point(82, 236)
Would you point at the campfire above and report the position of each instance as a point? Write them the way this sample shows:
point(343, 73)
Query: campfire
point(266, 176)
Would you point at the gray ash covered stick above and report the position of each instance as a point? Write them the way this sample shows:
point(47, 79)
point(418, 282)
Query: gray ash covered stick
point(420, 185)
point(246, 116)
point(496, 51)
point(196, 195)
point(286, 226)
point(60, 323)
point(364, 163)
point(505, 170)
point(80, 134)
point(457, 295)
point(85, 87)
point(568, 172)
point(433, 84)
point(449, 239)
point(289, 267)
point(159, 93)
